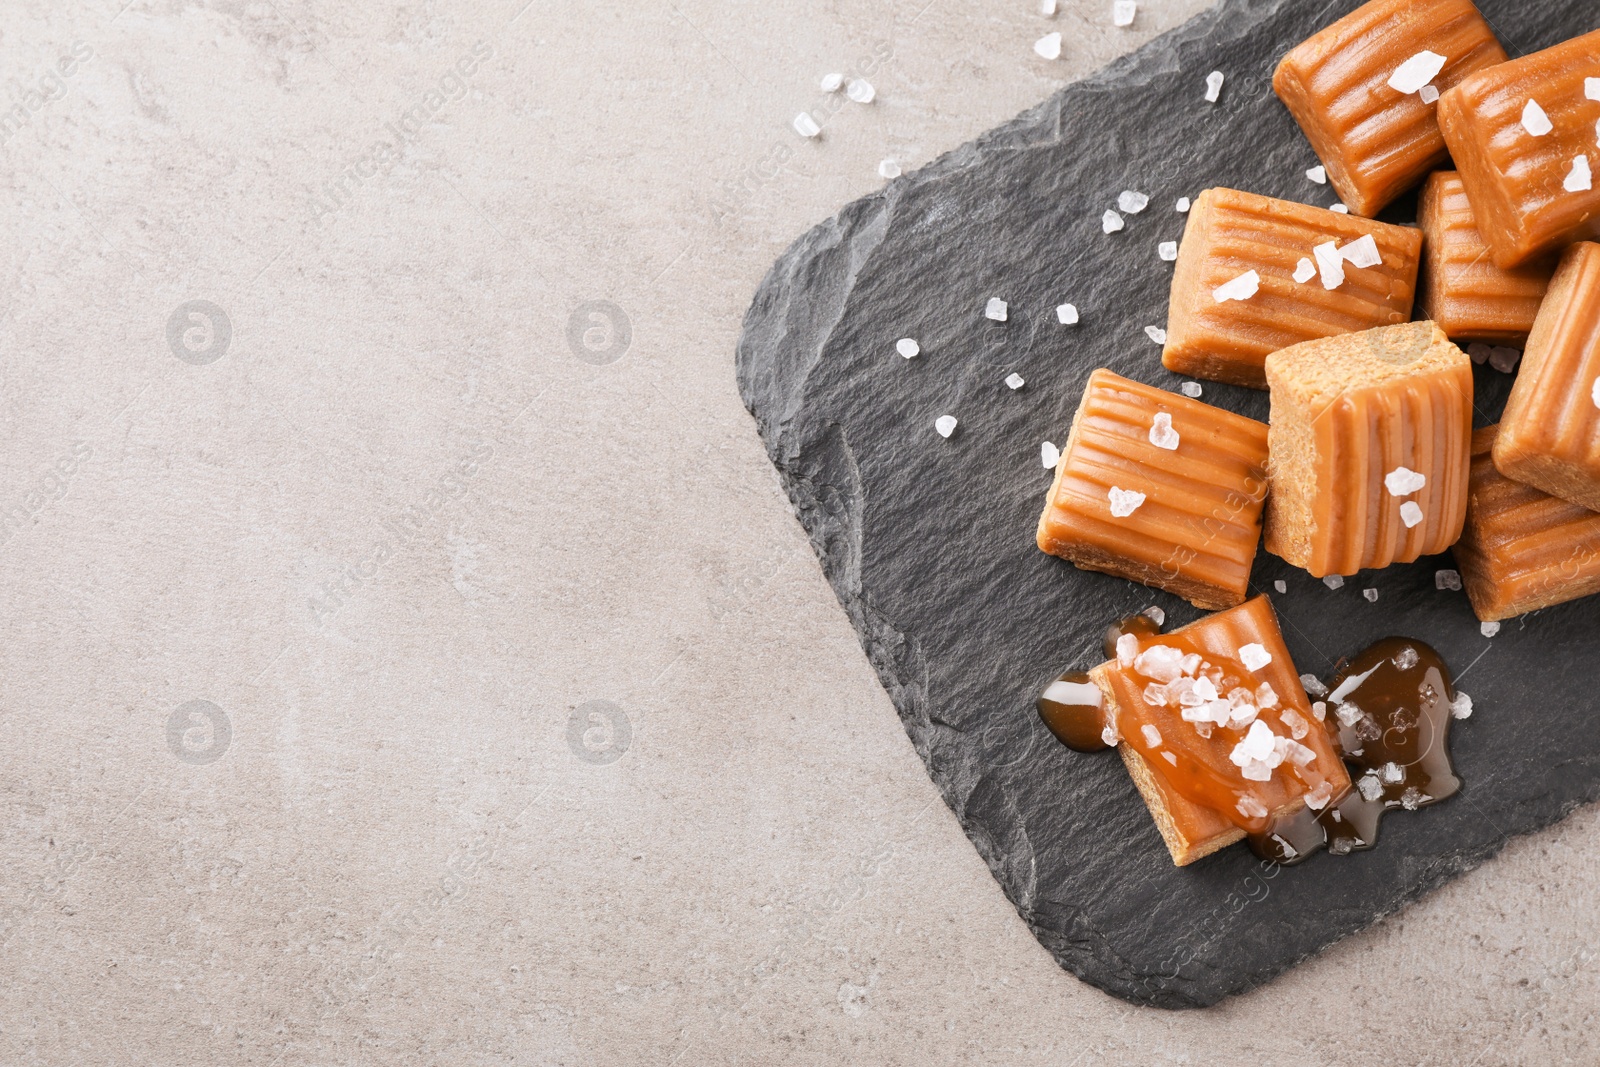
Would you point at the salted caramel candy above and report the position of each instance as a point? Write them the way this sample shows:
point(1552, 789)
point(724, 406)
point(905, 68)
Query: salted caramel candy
point(1160, 489)
point(1216, 731)
point(1369, 448)
point(1524, 139)
point(1365, 92)
point(1460, 288)
point(1522, 549)
point(1256, 274)
point(1550, 432)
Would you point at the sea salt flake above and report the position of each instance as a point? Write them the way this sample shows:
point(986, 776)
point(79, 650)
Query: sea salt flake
point(1214, 82)
point(1167, 250)
point(1403, 481)
point(1170, 758)
point(1461, 706)
point(1479, 352)
point(805, 125)
point(1049, 455)
point(1428, 94)
point(1156, 334)
point(1318, 174)
point(1504, 360)
point(1266, 696)
point(1162, 435)
point(1330, 263)
point(1334, 581)
point(1191, 663)
point(861, 91)
point(1405, 659)
point(1447, 580)
point(1205, 690)
point(1127, 649)
point(888, 169)
point(1392, 773)
point(1243, 287)
point(1048, 46)
point(1318, 798)
point(1161, 662)
point(1371, 595)
point(1594, 392)
point(1152, 736)
point(1362, 252)
point(1416, 72)
point(1257, 771)
point(1534, 120)
point(1339, 209)
point(1067, 314)
point(1047, 8)
point(1124, 502)
point(1111, 222)
point(832, 83)
point(908, 347)
point(1110, 736)
point(1411, 515)
point(1591, 88)
point(1305, 270)
point(1281, 586)
point(1348, 714)
point(1320, 710)
point(1313, 685)
point(1298, 727)
point(1015, 381)
point(1371, 788)
point(1183, 205)
point(1193, 390)
point(1299, 754)
point(1132, 202)
point(1257, 744)
point(1250, 807)
point(1122, 12)
point(1581, 180)
point(1413, 798)
point(1254, 656)
point(1489, 629)
point(995, 309)
point(945, 424)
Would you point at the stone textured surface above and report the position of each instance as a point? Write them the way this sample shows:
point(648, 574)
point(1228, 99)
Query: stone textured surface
point(766, 874)
point(929, 542)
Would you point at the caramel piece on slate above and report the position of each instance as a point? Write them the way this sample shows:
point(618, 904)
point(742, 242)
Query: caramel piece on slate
point(1199, 798)
point(1460, 287)
point(1347, 413)
point(1522, 550)
point(1528, 188)
point(1196, 531)
point(1550, 433)
point(1229, 234)
point(1376, 141)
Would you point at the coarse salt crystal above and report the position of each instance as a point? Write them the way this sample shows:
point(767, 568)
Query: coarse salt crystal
point(1504, 360)
point(1258, 744)
point(1339, 209)
point(1348, 714)
point(1205, 690)
point(1132, 202)
point(1167, 250)
point(1162, 435)
point(1298, 727)
point(1191, 390)
point(1281, 586)
point(1581, 180)
point(1266, 696)
point(1371, 595)
point(1170, 758)
point(1428, 94)
point(832, 83)
point(1161, 662)
point(1402, 481)
point(945, 424)
point(1489, 629)
point(1330, 263)
point(1214, 82)
point(861, 91)
point(1250, 807)
point(1015, 381)
point(1152, 736)
point(1410, 513)
point(1183, 205)
point(1048, 46)
point(1318, 798)
point(908, 348)
point(1480, 352)
point(1406, 658)
point(1156, 334)
point(1392, 773)
point(1413, 798)
point(1047, 8)
point(1416, 72)
point(1334, 581)
point(1243, 287)
point(1067, 314)
point(888, 169)
point(995, 309)
point(1313, 685)
point(1320, 710)
point(805, 125)
point(1122, 12)
point(1461, 706)
point(1127, 650)
point(1534, 120)
point(1594, 392)
point(1110, 736)
point(1124, 502)
point(1305, 270)
point(1049, 455)
point(1371, 788)
point(1257, 771)
point(1254, 656)
point(1318, 174)
point(1157, 616)
point(1447, 579)
point(1111, 222)
point(1591, 88)
point(1362, 252)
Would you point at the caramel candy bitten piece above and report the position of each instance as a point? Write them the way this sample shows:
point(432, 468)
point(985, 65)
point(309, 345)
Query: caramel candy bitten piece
point(1550, 433)
point(1378, 139)
point(1522, 550)
point(1523, 136)
point(1364, 275)
point(1460, 287)
point(1160, 489)
point(1183, 703)
point(1370, 442)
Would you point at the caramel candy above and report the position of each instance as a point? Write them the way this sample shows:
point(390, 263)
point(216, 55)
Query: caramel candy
point(1251, 752)
point(1523, 136)
point(1461, 289)
point(1215, 331)
point(1522, 550)
point(1369, 448)
point(1159, 489)
point(1550, 433)
point(1379, 141)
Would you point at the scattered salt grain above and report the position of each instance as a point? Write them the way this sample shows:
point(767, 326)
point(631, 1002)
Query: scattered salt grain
point(1047, 8)
point(1581, 180)
point(1167, 250)
point(1362, 253)
point(1243, 287)
point(888, 169)
point(1504, 360)
point(1183, 205)
point(1132, 202)
point(1535, 121)
point(995, 309)
point(1480, 352)
point(1339, 209)
point(1489, 629)
point(908, 348)
point(1318, 174)
point(1214, 82)
point(1416, 72)
point(1162, 435)
point(805, 125)
point(1461, 706)
point(1111, 222)
point(1156, 334)
point(1193, 390)
point(1127, 650)
point(1015, 381)
point(1330, 263)
point(1254, 656)
point(1334, 581)
point(1122, 12)
point(1313, 685)
point(1048, 46)
point(945, 424)
point(1305, 271)
point(1402, 481)
point(1405, 659)
point(1124, 502)
point(861, 91)
point(1371, 788)
point(1159, 617)
point(1591, 88)
point(832, 83)
point(1152, 736)
point(1410, 513)
point(1067, 314)
point(1428, 94)
point(1049, 455)
point(1371, 595)
point(1413, 798)
point(1281, 586)
point(1447, 580)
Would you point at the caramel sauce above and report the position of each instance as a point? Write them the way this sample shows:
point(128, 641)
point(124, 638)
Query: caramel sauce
point(1081, 727)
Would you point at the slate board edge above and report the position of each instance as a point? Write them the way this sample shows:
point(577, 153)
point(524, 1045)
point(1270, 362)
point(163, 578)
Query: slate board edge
point(785, 331)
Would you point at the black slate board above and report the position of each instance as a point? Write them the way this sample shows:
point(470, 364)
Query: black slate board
point(929, 542)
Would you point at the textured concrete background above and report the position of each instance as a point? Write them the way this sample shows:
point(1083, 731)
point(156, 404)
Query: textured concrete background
point(407, 660)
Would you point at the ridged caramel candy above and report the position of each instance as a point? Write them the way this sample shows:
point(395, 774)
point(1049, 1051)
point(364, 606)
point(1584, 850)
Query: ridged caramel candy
point(1522, 550)
point(1376, 141)
point(1347, 412)
point(1230, 233)
point(1550, 433)
point(1460, 288)
point(1197, 530)
point(1518, 180)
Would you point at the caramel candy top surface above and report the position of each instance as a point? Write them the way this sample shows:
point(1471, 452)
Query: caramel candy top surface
point(1460, 287)
point(1522, 549)
point(1240, 655)
point(1550, 433)
point(1530, 193)
point(1347, 414)
point(1231, 233)
point(1376, 141)
point(1196, 529)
